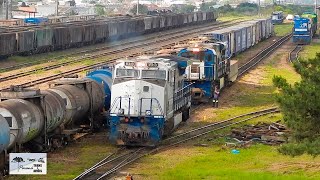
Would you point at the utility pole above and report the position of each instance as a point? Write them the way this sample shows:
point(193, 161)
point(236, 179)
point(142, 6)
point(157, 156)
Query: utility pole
point(7, 9)
point(315, 6)
point(138, 7)
point(259, 13)
point(57, 6)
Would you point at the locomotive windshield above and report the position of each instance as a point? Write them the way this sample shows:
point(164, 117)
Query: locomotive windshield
point(153, 74)
point(131, 73)
point(194, 55)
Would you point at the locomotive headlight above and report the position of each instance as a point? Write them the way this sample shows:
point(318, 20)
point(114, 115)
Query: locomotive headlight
point(121, 111)
point(148, 112)
point(203, 76)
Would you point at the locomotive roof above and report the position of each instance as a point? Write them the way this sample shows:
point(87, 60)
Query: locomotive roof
point(165, 60)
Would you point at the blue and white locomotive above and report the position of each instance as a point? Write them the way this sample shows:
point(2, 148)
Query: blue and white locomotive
point(148, 99)
point(304, 28)
point(209, 68)
point(277, 17)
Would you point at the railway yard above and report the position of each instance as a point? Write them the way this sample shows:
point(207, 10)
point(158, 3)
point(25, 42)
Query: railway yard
point(210, 144)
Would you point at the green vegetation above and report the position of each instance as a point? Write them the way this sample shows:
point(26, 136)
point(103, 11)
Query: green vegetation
point(252, 9)
point(183, 8)
point(300, 106)
point(256, 162)
point(283, 29)
point(293, 9)
point(207, 6)
point(143, 9)
point(310, 51)
point(99, 9)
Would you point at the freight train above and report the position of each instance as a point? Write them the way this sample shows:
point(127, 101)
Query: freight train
point(148, 99)
point(277, 17)
point(210, 66)
point(44, 38)
point(304, 28)
point(34, 120)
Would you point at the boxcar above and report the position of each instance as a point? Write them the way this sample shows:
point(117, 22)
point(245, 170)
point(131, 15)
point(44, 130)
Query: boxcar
point(43, 40)
point(88, 34)
point(148, 24)
point(61, 37)
point(101, 32)
point(7, 44)
point(237, 39)
point(76, 36)
point(25, 42)
point(162, 22)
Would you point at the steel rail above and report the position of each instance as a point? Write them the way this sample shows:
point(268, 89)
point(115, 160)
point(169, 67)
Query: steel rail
point(263, 54)
point(163, 147)
point(118, 44)
point(294, 54)
point(167, 41)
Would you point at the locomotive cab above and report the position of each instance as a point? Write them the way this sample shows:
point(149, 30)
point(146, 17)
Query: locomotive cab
point(208, 68)
point(147, 99)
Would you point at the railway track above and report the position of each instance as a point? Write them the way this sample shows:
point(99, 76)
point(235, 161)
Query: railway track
point(113, 45)
point(109, 165)
point(263, 54)
point(90, 50)
point(134, 50)
point(195, 132)
point(294, 54)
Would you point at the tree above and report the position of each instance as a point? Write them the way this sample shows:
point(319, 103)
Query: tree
point(226, 8)
point(300, 107)
point(188, 8)
point(143, 9)
point(99, 9)
point(207, 6)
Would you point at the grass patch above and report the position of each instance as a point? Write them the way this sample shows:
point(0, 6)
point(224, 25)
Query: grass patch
point(283, 29)
point(237, 18)
point(256, 162)
point(310, 51)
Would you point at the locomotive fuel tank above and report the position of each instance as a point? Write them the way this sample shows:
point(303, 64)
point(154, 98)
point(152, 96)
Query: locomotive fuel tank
point(26, 120)
point(4, 134)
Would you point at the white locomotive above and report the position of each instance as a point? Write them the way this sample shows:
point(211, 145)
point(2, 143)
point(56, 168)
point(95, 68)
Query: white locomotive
point(148, 99)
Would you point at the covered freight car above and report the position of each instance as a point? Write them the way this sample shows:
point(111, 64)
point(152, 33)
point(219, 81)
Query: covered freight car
point(62, 35)
point(25, 42)
point(7, 44)
point(61, 38)
point(44, 40)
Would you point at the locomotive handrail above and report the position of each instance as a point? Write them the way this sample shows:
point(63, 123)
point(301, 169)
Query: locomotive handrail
point(151, 110)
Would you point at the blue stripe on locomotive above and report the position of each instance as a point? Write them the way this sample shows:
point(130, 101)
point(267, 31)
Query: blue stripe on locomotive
point(152, 125)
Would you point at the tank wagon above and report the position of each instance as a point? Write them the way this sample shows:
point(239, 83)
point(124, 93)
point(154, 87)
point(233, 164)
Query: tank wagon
point(148, 99)
point(45, 120)
point(44, 38)
point(277, 17)
point(304, 28)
